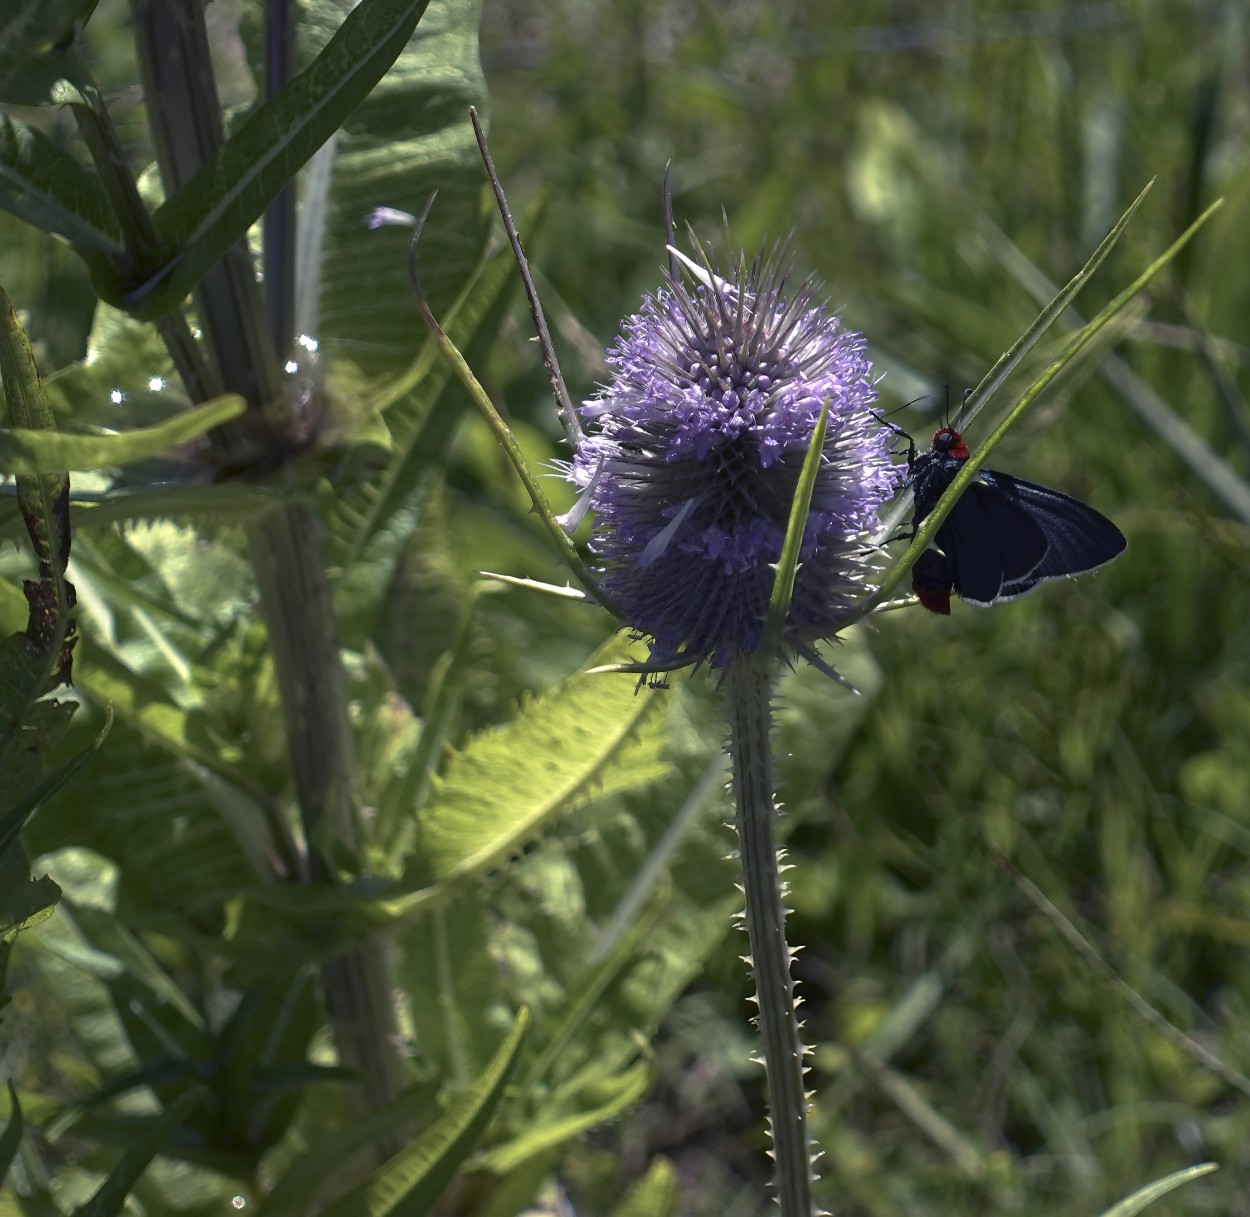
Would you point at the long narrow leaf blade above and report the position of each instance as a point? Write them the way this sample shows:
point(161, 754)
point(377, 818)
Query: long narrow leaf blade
point(410, 1183)
point(214, 210)
point(788, 564)
point(11, 1138)
point(1130, 1206)
point(25, 451)
point(42, 183)
point(1010, 359)
point(111, 1196)
point(928, 530)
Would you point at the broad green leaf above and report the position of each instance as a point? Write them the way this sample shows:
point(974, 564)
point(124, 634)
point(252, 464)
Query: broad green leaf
point(220, 504)
point(1130, 1206)
point(113, 1192)
point(45, 185)
point(419, 419)
point(583, 1002)
point(410, 136)
point(31, 27)
point(510, 781)
point(158, 819)
point(105, 933)
point(453, 964)
point(141, 703)
point(583, 739)
point(654, 1195)
point(29, 452)
point(128, 378)
point(214, 210)
point(611, 1097)
point(411, 1182)
point(28, 727)
point(440, 702)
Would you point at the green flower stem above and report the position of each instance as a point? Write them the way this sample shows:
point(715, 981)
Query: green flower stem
point(747, 689)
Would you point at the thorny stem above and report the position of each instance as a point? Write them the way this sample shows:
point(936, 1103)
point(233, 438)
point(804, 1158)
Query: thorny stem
point(747, 688)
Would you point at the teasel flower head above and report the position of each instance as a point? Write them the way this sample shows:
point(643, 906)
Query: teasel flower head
point(692, 452)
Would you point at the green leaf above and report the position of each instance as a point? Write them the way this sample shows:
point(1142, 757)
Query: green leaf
point(582, 739)
point(612, 1097)
point(581, 1005)
point(410, 1183)
point(31, 59)
point(22, 898)
point(971, 467)
point(214, 210)
point(24, 451)
point(654, 1195)
point(31, 27)
point(304, 1180)
point(43, 184)
point(180, 855)
point(44, 499)
point(453, 965)
point(29, 801)
point(143, 704)
point(11, 1138)
point(515, 454)
point(222, 503)
point(788, 563)
point(113, 1192)
point(512, 780)
point(418, 417)
point(409, 137)
point(1132, 1205)
point(209, 507)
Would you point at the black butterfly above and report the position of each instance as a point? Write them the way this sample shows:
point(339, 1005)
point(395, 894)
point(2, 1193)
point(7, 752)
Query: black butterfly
point(1004, 536)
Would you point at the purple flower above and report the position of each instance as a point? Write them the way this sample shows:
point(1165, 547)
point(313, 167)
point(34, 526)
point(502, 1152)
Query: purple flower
point(694, 449)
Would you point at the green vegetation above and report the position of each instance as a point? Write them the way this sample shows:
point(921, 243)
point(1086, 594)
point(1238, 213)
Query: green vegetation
point(1019, 856)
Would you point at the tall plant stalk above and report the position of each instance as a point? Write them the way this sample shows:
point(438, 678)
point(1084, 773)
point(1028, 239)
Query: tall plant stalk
point(286, 545)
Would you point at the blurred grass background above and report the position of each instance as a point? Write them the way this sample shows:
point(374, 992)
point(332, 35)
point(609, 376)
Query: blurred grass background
point(929, 159)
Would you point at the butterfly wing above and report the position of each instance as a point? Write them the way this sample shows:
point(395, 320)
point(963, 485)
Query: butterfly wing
point(992, 541)
point(1079, 539)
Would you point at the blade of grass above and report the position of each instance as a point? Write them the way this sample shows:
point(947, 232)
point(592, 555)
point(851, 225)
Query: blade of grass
point(1132, 1205)
point(1199, 457)
point(1010, 359)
